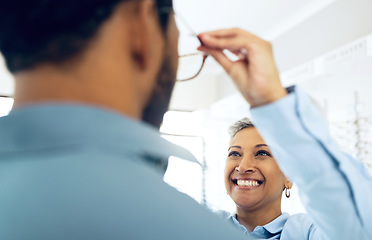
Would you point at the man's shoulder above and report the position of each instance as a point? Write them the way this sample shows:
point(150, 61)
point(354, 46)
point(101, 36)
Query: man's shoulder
point(224, 214)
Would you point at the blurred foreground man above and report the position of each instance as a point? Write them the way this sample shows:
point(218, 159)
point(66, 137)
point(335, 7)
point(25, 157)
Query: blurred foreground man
point(77, 160)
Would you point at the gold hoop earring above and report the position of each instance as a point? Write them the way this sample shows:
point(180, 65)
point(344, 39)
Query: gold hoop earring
point(287, 192)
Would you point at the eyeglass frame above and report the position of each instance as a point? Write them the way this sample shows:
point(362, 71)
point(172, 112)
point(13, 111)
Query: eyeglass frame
point(163, 10)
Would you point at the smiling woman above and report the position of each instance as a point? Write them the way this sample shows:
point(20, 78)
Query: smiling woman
point(253, 180)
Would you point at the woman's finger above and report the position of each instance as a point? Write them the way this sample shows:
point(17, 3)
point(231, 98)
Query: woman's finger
point(227, 33)
point(222, 43)
point(219, 56)
point(244, 43)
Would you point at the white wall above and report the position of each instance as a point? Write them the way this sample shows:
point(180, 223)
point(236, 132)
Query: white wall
point(6, 80)
point(334, 26)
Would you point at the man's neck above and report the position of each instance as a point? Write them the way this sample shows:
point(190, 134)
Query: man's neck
point(48, 83)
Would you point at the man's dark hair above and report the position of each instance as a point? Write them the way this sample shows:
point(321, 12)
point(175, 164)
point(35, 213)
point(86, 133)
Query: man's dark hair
point(37, 31)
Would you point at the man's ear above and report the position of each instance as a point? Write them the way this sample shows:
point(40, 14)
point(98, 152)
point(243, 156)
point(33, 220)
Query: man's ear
point(145, 34)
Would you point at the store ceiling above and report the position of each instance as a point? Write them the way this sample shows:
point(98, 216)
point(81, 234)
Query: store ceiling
point(268, 18)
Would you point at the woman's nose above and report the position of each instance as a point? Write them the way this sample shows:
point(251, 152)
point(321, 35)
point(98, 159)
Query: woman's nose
point(246, 165)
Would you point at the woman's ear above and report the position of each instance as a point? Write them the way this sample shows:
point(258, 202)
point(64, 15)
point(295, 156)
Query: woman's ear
point(288, 184)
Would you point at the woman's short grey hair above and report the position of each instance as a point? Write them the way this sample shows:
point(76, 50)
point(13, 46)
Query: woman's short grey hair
point(240, 125)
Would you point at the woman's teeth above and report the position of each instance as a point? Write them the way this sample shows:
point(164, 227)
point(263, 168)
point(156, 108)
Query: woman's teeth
point(247, 183)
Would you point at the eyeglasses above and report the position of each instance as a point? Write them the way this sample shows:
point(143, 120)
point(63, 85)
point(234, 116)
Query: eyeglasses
point(190, 62)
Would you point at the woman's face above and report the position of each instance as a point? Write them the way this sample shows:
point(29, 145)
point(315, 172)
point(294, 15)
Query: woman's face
point(252, 178)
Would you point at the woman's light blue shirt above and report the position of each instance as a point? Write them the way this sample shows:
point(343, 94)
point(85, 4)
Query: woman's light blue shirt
point(296, 227)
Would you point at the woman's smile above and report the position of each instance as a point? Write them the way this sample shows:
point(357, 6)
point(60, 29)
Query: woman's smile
point(243, 183)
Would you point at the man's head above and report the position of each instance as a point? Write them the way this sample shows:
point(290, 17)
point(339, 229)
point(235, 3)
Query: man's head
point(136, 39)
point(36, 31)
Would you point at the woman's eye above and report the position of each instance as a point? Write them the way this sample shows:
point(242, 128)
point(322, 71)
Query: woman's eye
point(263, 153)
point(234, 154)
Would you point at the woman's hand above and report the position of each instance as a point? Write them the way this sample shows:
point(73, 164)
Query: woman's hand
point(255, 72)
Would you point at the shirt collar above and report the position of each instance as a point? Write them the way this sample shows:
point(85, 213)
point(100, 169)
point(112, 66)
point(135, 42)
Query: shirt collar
point(67, 124)
point(233, 218)
point(277, 224)
point(273, 227)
